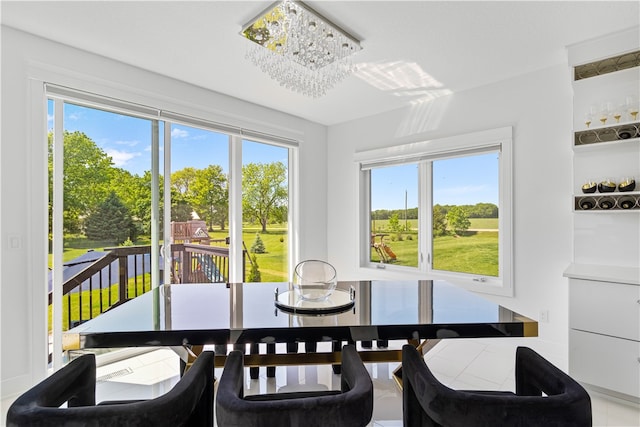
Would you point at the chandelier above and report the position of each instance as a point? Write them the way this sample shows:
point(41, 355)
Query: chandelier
point(300, 48)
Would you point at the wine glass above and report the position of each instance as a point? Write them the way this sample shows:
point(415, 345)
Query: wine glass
point(632, 107)
point(617, 113)
point(587, 119)
point(605, 110)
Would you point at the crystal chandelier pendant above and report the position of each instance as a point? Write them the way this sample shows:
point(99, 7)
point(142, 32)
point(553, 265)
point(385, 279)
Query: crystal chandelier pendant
point(300, 48)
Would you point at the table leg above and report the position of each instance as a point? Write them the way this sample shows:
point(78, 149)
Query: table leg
point(254, 371)
point(271, 370)
point(336, 346)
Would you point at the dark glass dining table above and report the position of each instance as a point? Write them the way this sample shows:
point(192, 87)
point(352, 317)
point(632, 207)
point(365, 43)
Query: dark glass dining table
point(268, 313)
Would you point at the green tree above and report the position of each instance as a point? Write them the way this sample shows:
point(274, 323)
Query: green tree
point(439, 221)
point(86, 177)
point(210, 195)
point(258, 245)
point(458, 220)
point(135, 193)
point(254, 274)
point(483, 210)
point(394, 223)
point(181, 212)
point(182, 182)
point(110, 222)
point(264, 191)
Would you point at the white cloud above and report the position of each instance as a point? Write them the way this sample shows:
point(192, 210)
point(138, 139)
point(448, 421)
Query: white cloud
point(120, 158)
point(131, 143)
point(179, 133)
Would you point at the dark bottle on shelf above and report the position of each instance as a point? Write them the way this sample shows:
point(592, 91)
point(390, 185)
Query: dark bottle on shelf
point(606, 203)
point(586, 203)
point(626, 202)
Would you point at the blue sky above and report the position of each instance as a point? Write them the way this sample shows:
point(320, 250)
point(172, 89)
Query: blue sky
point(127, 140)
point(458, 181)
point(466, 180)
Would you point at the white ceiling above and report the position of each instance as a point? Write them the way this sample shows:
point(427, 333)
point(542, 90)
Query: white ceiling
point(412, 50)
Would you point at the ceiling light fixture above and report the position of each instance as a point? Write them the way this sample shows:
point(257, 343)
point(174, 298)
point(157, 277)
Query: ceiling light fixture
point(300, 48)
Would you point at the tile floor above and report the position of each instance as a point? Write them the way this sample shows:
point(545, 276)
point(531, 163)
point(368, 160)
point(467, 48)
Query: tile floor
point(480, 363)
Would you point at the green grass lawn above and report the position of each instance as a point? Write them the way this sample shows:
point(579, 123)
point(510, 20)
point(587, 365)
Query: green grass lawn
point(273, 263)
point(475, 253)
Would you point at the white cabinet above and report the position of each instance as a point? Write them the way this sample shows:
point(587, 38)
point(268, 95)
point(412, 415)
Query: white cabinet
point(604, 328)
point(604, 361)
point(605, 308)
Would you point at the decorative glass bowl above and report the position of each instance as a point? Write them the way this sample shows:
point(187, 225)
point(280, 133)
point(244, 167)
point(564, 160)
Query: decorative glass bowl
point(314, 280)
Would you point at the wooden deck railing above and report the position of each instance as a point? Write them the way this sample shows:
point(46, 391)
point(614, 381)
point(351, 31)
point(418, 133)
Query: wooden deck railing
point(97, 288)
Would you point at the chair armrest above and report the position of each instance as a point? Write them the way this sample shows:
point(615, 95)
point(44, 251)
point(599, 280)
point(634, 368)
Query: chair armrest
point(424, 395)
point(75, 383)
point(535, 376)
point(354, 374)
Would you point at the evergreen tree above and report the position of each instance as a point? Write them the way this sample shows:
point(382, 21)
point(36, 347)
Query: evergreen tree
point(258, 245)
point(254, 274)
point(110, 222)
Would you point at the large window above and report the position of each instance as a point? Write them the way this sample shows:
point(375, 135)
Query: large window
point(160, 197)
point(441, 208)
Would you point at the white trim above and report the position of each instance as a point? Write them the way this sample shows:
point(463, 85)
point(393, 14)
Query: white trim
point(58, 231)
point(155, 203)
point(103, 102)
point(430, 149)
point(166, 234)
point(293, 210)
point(235, 216)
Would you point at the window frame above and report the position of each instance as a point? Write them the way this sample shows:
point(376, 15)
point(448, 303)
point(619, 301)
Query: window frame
point(424, 153)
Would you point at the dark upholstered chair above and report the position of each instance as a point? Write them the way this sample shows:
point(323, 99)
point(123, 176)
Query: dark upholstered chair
point(427, 402)
point(352, 406)
point(188, 403)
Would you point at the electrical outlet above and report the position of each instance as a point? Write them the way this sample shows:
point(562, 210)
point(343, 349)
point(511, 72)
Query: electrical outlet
point(544, 316)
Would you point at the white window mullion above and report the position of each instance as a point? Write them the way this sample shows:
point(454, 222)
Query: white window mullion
point(58, 231)
point(293, 212)
point(235, 209)
point(155, 205)
point(425, 216)
point(167, 204)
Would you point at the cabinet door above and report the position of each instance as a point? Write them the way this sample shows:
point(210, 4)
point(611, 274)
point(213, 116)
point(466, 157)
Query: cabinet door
point(603, 361)
point(606, 308)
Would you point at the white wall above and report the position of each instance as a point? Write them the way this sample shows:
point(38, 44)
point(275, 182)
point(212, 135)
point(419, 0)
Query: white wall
point(26, 62)
point(538, 107)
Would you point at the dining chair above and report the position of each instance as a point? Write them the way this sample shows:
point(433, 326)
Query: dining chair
point(544, 396)
point(188, 403)
point(351, 406)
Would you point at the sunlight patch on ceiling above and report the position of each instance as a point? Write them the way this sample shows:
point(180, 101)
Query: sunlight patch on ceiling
point(404, 79)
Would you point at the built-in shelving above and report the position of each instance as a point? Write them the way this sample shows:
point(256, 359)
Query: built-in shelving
point(624, 132)
point(617, 201)
point(604, 278)
point(607, 65)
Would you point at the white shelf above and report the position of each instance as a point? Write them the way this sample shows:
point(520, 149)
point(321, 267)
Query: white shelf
point(604, 273)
